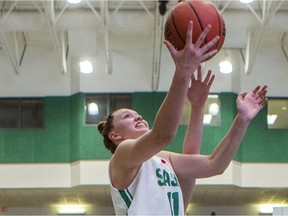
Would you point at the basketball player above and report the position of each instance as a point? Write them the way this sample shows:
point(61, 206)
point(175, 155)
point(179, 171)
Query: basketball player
point(144, 178)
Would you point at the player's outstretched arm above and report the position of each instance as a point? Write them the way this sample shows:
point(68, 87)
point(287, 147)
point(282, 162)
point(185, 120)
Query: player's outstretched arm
point(200, 166)
point(197, 96)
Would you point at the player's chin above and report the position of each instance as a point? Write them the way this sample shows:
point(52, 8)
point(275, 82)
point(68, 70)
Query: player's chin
point(142, 131)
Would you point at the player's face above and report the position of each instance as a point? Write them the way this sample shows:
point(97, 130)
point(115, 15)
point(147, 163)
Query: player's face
point(129, 124)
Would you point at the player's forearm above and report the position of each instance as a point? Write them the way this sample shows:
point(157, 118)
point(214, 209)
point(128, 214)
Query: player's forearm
point(193, 137)
point(170, 113)
point(225, 151)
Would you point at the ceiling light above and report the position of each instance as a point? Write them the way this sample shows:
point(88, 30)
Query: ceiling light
point(268, 208)
point(86, 67)
point(225, 67)
point(246, 1)
point(271, 119)
point(74, 1)
point(71, 209)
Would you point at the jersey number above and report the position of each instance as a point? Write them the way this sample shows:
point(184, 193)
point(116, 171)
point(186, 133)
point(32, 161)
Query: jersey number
point(173, 198)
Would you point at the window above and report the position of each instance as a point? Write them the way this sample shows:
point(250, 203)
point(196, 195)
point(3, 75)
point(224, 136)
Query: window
point(21, 113)
point(99, 106)
point(277, 117)
point(31, 113)
point(212, 115)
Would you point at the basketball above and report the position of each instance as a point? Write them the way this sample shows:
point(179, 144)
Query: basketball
point(202, 13)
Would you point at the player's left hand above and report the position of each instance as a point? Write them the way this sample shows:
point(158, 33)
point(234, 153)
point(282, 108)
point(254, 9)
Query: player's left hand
point(249, 104)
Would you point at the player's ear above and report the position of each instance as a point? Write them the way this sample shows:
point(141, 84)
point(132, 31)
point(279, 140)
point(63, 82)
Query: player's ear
point(114, 136)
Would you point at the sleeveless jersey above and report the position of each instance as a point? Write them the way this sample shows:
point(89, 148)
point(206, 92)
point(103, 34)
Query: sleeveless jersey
point(154, 191)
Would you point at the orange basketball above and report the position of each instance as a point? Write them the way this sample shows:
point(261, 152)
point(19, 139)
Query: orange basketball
point(202, 13)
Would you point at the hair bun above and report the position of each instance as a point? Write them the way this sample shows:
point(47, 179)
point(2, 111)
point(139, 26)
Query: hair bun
point(101, 126)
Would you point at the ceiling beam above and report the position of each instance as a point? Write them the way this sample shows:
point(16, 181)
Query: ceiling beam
point(283, 46)
point(255, 37)
point(109, 65)
point(13, 56)
point(8, 50)
point(5, 15)
point(58, 38)
point(157, 48)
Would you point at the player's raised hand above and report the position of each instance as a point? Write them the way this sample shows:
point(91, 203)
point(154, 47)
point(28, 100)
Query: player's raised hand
point(249, 104)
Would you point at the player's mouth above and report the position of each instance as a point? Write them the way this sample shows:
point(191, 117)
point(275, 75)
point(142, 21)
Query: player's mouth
point(140, 125)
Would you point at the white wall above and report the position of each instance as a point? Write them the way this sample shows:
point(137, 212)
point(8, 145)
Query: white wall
point(280, 211)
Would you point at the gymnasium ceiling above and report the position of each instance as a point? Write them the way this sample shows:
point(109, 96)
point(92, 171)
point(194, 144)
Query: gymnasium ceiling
point(46, 24)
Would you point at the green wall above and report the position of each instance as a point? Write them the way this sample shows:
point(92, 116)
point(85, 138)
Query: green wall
point(65, 137)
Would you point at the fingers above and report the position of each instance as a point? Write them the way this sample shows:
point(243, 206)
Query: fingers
point(189, 33)
point(205, 49)
point(170, 47)
point(208, 76)
point(199, 73)
point(211, 80)
point(263, 102)
point(193, 77)
point(260, 93)
point(263, 91)
point(264, 87)
point(202, 36)
point(255, 90)
point(211, 44)
point(209, 54)
point(197, 51)
point(242, 95)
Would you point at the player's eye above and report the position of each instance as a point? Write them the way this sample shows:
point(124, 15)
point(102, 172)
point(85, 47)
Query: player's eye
point(126, 115)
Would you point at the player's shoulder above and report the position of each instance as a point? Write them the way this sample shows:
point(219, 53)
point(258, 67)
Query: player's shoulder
point(165, 155)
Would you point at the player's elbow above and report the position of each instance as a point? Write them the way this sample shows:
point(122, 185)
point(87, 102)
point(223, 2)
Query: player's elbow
point(217, 167)
point(215, 171)
point(219, 171)
point(166, 139)
point(163, 138)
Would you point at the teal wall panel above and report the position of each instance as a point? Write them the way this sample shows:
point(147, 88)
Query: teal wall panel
point(101, 151)
point(76, 122)
point(278, 140)
point(66, 138)
point(91, 144)
point(56, 140)
point(2, 146)
point(88, 143)
point(18, 145)
point(147, 104)
point(256, 146)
